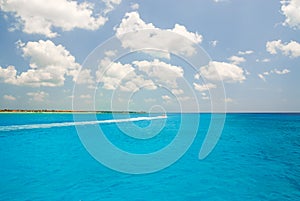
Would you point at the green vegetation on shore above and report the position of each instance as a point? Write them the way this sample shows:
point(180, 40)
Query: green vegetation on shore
point(64, 111)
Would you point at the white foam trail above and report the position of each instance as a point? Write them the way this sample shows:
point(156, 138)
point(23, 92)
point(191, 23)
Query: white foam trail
point(64, 124)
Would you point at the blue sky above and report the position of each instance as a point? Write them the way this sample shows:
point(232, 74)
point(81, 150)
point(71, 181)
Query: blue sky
point(253, 46)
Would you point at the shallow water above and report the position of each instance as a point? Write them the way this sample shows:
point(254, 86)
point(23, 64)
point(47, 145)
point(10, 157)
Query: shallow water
point(256, 158)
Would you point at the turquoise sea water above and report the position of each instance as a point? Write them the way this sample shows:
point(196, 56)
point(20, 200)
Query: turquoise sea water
point(256, 158)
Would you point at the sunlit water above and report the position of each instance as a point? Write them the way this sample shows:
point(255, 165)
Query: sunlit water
point(257, 158)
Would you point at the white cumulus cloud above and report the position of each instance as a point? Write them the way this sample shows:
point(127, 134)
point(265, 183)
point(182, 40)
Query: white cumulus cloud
point(245, 52)
point(227, 72)
point(8, 75)
point(85, 96)
point(291, 10)
point(204, 87)
point(166, 98)
point(38, 96)
point(9, 97)
point(164, 39)
point(161, 72)
point(110, 5)
point(265, 60)
point(183, 98)
point(261, 76)
point(115, 75)
point(49, 64)
point(41, 17)
point(135, 6)
point(112, 76)
point(220, 1)
point(291, 49)
point(213, 43)
point(139, 74)
point(236, 60)
point(84, 77)
point(228, 100)
point(282, 72)
point(274, 71)
point(177, 91)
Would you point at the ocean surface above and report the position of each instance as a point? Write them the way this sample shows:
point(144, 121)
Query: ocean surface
point(256, 158)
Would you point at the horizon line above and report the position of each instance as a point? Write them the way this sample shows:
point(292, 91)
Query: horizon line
point(131, 111)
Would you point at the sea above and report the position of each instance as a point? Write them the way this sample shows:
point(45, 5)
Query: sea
point(43, 157)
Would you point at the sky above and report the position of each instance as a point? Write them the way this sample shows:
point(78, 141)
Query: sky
point(190, 56)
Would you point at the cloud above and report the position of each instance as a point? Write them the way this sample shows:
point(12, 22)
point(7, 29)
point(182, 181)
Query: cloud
point(225, 71)
point(177, 91)
point(291, 49)
point(112, 76)
point(263, 60)
point(236, 60)
point(204, 96)
point(49, 64)
point(134, 6)
point(245, 52)
point(42, 17)
point(261, 77)
point(137, 83)
point(115, 75)
point(284, 71)
point(220, 1)
point(266, 60)
point(291, 10)
point(274, 71)
point(204, 87)
point(110, 5)
point(162, 39)
point(138, 74)
point(85, 96)
point(161, 72)
point(228, 100)
point(247, 72)
point(84, 77)
point(166, 98)
point(132, 22)
point(8, 75)
point(110, 53)
point(46, 53)
point(38, 96)
point(9, 97)
point(184, 98)
point(213, 43)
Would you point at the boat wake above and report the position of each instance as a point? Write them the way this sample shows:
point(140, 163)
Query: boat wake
point(65, 124)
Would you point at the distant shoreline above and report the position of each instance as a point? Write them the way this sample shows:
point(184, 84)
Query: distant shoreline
point(8, 111)
point(11, 111)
